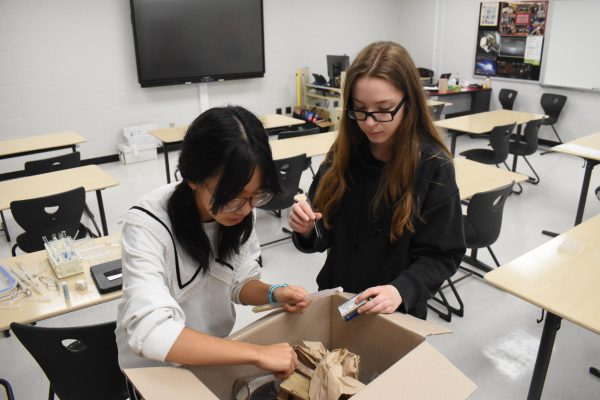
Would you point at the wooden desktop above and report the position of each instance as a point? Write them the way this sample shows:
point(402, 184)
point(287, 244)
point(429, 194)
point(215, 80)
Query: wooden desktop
point(171, 137)
point(562, 277)
point(483, 122)
point(91, 177)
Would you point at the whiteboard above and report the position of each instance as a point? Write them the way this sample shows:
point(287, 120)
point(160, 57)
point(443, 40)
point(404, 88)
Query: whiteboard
point(572, 53)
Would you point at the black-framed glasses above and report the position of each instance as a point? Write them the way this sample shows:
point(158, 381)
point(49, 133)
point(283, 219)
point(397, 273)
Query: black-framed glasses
point(378, 116)
point(256, 200)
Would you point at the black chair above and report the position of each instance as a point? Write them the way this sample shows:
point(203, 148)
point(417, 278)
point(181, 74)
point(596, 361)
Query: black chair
point(426, 73)
point(443, 300)
point(80, 362)
point(7, 389)
point(529, 146)
point(482, 225)
point(58, 163)
point(301, 132)
point(38, 217)
point(507, 98)
point(290, 170)
point(499, 140)
point(436, 111)
point(552, 104)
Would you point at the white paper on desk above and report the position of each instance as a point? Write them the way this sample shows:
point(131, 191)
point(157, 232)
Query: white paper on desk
point(580, 150)
point(430, 87)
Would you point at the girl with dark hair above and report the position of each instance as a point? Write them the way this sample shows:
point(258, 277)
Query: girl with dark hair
point(190, 251)
point(386, 192)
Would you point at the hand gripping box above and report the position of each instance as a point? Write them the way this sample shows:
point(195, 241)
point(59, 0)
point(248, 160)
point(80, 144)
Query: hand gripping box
point(391, 347)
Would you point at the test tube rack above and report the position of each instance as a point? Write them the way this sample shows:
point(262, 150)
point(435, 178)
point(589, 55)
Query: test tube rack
point(64, 258)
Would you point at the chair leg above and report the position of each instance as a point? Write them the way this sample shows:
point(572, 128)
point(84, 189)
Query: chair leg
point(89, 213)
point(4, 227)
point(447, 316)
point(535, 180)
point(493, 256)
point(312, 170)
point(14, 250)
point(556, 133)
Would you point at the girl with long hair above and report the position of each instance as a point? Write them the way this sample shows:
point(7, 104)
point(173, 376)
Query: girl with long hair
point(386, 193)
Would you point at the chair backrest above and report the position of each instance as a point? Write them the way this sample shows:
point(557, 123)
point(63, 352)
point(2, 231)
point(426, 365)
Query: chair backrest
point(484, 215)
point(289, 171)
point(65, 161)
point(436, 111)
point(46, 215)
point(553, 104)
point(80, 362)
point(499, 140)
point(298, 132)
point(507, 98)
point(531, 132)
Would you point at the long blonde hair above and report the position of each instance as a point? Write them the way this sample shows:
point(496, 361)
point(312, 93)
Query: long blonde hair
point(391, 62)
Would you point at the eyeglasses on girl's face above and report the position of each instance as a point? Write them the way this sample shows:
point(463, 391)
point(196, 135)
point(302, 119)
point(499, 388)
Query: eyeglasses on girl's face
point(256, 200)
point(378, 116)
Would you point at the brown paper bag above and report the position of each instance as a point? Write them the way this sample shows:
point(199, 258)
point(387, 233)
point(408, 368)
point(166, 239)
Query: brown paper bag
point(335, 376)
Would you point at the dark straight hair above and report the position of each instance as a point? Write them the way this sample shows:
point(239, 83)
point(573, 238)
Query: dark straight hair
point(230, 142)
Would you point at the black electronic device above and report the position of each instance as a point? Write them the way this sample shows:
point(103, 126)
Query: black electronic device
point(475, 86)
point(335, 66)
point(107, 276)
point(512, 46)
point(319, 80)
point(446, 75)
point(187, 41)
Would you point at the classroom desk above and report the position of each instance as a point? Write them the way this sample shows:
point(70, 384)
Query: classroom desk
point(473, 177)
point(588, 148)
point(313, 145)
point(483, 123)
point(91, 177)
point(171, 137)
point(560, 276)
point(25, 311)
point(432, 103)
point(39, 144)
point(478, 100)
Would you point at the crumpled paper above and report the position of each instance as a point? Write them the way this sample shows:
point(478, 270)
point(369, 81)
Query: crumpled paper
point(335, 374)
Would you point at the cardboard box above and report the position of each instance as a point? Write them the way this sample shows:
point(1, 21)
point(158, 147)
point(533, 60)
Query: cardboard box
point(136, 153)
point(391, 345)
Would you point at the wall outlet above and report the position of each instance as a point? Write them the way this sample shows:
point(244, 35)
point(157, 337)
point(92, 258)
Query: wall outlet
point(278, 110)
point(288, 109)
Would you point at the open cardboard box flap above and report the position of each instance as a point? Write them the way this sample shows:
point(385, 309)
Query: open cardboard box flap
point(392, 351)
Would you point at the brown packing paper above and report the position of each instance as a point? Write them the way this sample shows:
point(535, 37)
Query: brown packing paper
point(335, 376)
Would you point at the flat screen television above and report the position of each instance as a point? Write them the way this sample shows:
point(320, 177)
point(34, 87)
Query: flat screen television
point(512, 46)
point(186, 41)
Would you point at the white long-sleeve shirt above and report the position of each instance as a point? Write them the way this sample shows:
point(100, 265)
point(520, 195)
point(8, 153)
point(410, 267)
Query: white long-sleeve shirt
point(154, 309)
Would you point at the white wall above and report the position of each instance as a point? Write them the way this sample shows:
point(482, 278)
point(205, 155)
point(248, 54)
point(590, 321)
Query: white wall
point(70, 65)
point(579, 117)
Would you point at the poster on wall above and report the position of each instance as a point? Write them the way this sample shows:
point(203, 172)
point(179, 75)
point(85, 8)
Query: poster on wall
point(510, 39)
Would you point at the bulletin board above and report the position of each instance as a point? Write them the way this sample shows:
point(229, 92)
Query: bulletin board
point(510, 39)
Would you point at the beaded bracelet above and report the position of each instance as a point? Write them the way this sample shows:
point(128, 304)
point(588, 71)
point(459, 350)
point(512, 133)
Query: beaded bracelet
point(270, 294)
